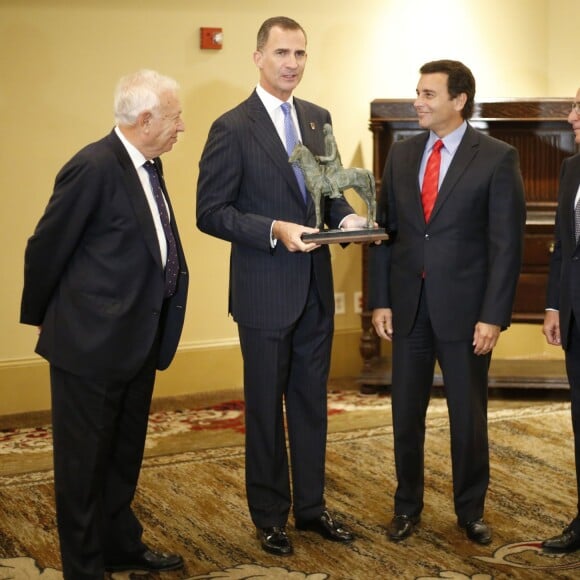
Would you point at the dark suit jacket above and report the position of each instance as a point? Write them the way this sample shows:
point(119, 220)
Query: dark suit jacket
point(93, 277)
point(245, 182)
point(471, 248)
point(564, 280)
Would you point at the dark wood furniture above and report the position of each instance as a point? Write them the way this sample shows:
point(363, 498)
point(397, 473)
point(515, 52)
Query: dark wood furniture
point(539, 130)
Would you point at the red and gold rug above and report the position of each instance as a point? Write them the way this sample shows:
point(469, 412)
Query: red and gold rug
point(191, 498)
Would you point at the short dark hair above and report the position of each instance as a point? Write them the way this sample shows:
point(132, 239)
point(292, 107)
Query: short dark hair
point(282, 22)
point(459, 80)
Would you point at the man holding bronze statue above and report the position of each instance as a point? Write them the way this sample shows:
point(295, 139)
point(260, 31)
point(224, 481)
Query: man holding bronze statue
point(281, 291)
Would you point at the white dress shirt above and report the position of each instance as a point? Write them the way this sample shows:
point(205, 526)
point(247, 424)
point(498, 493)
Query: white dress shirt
point(450, 144)
point(138, 160)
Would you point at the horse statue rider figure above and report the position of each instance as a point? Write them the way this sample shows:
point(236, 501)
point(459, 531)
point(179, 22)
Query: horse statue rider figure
point(331, 161)
point(325, 176)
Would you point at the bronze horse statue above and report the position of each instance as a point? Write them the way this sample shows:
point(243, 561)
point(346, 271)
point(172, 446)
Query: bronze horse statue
point(333, 180)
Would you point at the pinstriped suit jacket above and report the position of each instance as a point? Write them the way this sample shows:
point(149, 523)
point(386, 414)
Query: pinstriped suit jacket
point(564, 279)
point(245, 182)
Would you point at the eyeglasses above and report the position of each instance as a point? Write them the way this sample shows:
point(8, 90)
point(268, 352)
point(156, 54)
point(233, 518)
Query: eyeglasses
point(576, 108)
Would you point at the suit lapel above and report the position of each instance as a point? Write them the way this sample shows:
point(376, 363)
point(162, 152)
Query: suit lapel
point(267, 137)
point(464, 155)
point(416, 154)
point(570, 190)
point(312, 135)
point(137, 197)
point(172, 222)
point(310, 128)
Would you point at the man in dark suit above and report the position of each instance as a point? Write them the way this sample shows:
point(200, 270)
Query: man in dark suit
point(562, 318)
point(281, 291)
point(106, 282)
point(443, 288)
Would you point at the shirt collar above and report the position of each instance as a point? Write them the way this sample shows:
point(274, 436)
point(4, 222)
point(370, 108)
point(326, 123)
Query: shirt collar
point(451, 141)
point(270, 101)
point(136, 156)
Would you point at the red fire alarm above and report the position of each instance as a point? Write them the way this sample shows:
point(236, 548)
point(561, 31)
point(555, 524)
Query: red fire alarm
point(211, 38)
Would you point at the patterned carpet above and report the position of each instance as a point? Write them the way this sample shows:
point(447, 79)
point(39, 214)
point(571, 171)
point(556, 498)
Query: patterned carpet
point(191, 498)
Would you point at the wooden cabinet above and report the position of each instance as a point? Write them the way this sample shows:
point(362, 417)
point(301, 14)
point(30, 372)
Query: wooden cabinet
point(539, 130)
point(530, 299)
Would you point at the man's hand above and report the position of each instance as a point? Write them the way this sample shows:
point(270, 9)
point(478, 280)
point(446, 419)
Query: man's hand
point(356, 222)
point(485, 337)
point(383, 322)
point(551, 328)
point(353, 222)
point(290, 234)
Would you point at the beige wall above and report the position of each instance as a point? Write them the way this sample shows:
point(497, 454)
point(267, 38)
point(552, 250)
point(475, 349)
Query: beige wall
point(61, 60)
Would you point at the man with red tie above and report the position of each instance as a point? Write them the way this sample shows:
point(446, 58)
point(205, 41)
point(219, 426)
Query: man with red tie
point(442, 288)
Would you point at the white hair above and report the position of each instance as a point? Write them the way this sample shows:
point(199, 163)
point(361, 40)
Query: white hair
point(138, 92)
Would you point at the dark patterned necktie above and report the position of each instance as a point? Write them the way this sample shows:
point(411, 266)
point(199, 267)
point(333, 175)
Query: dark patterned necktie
point(172, 263)
point(291, 142)
point(431, 180)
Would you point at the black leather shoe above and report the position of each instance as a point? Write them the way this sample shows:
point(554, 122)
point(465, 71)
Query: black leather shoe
point(148, 561)
point(402, 527)
point(567, 541)
point(327, 527)
point(477, 531)
point(275, 541)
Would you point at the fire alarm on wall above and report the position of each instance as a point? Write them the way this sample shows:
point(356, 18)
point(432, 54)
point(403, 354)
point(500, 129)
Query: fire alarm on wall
point(211, 38)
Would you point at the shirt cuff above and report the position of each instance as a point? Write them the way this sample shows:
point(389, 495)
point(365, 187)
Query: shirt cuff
point(273, 240)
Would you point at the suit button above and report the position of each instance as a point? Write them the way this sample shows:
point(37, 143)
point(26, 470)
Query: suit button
point(426, 236)
point(155, 313)
point(575, 258)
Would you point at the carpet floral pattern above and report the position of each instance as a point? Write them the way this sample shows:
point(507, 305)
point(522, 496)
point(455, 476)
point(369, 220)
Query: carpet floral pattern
point(192, 500)
point(228, 415)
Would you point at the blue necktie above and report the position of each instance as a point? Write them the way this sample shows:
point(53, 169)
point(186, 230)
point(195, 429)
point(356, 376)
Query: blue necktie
point(291, 142)
point(172, 263)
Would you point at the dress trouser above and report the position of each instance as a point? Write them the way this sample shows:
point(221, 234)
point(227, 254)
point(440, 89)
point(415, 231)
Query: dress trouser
point(573, 372)
point(465, 378)
point(99, 430)
point(286, 366)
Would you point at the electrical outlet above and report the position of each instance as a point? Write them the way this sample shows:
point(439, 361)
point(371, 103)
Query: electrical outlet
point(339, 304)
point(358, 302)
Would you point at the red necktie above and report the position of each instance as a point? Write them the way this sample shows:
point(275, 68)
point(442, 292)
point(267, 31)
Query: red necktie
point(431, 180)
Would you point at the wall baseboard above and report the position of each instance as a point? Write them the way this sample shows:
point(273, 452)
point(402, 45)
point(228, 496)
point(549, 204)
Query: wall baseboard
point(196, 369)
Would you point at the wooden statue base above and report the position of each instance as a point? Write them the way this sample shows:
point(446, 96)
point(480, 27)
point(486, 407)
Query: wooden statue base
point(346, 236)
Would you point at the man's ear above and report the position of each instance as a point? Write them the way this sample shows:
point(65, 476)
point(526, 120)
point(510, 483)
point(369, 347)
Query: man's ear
point(144, 119)
point(460, 101)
